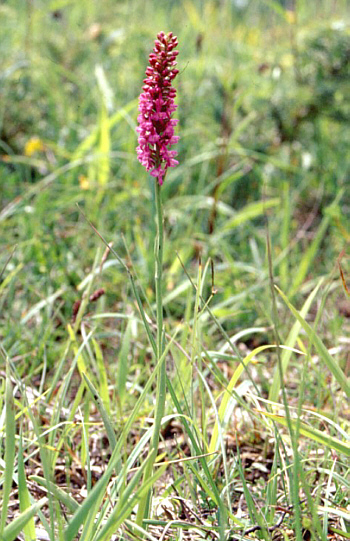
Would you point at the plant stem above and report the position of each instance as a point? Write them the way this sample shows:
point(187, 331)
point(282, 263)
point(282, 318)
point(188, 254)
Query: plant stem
point(161, 381)
point(158, 255)
point(144, 505)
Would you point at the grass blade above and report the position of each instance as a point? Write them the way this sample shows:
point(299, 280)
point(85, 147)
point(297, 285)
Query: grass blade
point(18, 524)
point(105, 418)
point(23, 495)
point(57, 492)
point(320, 437)
point(123, 363)
point(228, 392)
point(291, 339)
point(104, 148)
point(250, 211)
point(96, 493)
point(320, 347)
point(311, 252)
point(9, 449)
point(102, 376)
point(124, 508)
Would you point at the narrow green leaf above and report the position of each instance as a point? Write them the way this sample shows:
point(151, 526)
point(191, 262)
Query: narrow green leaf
point(10, 425)
point(24, 496)
point(10, 276)
point(124, 362)
point(48, 301)
point(95, 496)
point(252, 508)
point(105, 88)
point(102, 377)
point(228, 392)
point(60, 494)
point(14, 529)
point(313, 433)
point(105, 418)
point(285, 233)
point(97, 492)
point(346, 535)
point(309, 256)
point(253, 210)
point(311, 252)
point(290, 342)
point(92, 138)
point(122, 511)
point(104, 148)
point(320, 347)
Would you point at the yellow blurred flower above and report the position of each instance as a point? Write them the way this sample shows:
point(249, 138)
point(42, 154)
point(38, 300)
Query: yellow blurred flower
point(84, 182)
point(33, 145)
point(290, 16)
point(287, 60)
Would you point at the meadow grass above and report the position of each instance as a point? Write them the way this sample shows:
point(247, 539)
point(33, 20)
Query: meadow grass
point(254, 439)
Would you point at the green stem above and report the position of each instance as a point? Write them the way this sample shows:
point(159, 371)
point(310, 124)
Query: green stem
point(158, 255)
point(144, 505)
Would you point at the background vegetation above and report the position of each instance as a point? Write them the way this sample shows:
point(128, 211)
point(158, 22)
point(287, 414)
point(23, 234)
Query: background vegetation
point(260, 198)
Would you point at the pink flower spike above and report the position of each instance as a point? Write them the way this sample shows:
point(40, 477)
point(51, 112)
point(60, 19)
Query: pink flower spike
point(156, 105)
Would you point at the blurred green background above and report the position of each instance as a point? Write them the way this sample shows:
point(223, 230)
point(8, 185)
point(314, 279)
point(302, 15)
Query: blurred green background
point(264, 107)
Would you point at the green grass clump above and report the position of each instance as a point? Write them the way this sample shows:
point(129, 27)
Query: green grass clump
point(254, 440)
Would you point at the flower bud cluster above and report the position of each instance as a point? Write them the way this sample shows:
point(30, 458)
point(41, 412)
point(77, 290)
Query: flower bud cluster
point(156, 105)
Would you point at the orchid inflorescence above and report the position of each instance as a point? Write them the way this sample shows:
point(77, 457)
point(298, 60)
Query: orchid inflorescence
point(156, 105)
